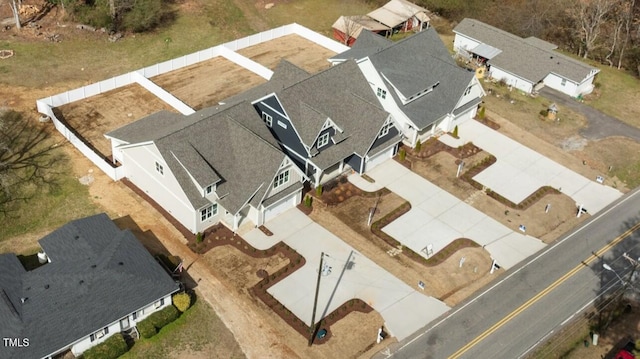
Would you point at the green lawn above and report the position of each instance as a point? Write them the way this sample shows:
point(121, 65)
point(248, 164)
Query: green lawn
point(198, 333)
point(618, 95)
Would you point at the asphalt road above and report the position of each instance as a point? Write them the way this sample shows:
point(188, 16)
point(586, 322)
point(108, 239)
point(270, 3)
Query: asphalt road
point(532, 301)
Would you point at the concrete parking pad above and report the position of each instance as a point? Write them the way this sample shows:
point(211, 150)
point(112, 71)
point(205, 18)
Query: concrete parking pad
point(437, 218)
point(519, 171)
point(352, 275)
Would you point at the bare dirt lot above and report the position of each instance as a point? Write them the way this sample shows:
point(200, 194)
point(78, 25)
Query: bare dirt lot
point(206, 83)
point(97, 115)
point(295, 49)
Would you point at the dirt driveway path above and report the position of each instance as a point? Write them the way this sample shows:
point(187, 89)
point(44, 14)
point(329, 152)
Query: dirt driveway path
point(253, 333)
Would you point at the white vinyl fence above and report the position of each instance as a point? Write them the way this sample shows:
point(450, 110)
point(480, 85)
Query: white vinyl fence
point(142, 77)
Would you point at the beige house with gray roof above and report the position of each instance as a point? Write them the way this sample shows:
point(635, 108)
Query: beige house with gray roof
point(526, 64)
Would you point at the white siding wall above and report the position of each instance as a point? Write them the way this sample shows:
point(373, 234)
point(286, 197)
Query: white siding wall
point(511, 80)
point(463, 42)
point(200, 226)
point(586, 87)
point(555, 82)
point(164, 189)
point(85, 343)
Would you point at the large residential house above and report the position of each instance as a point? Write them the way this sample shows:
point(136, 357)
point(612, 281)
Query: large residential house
point(526, 64)
point(98, 280)
point(417, 81)
point(247, 159)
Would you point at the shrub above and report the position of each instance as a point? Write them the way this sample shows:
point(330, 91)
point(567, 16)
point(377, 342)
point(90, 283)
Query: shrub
point(199, 237)
point(144, 15)
point(146, 328)
point(455, 131)
point(164, 317)
point(402, 154)
point(418, 146)
point(481, 113)
point(111, 348)
point(182, 301)
point(308, 201)
point(544, 113)
point(319, 191)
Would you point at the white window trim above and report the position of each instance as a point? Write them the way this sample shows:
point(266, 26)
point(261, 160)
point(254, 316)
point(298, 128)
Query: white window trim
point(382, 93)
point(208, 212)
point(467, 91)
point(208, 190)
point(99, 334)
point(323, 140)
point(281, 179)
point(563, 82)
point(385, 129)
point(159, 303)
point(159, 168)
point(267, 118)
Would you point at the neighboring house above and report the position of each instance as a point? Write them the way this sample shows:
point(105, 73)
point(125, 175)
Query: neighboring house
point(401, 16)
point(395, 16)
point(99, 280)
point(417, 81)
point(330, 122)
point(347, 28)
point(526, 64)
point(219, 164)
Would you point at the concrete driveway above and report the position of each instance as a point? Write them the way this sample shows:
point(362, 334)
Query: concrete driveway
point(519, 171)
point(600, 125)
point(437, 218)
point(352, 275)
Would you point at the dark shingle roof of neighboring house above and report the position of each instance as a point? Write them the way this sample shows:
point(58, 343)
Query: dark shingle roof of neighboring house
point(97, 275)
point(414, 64)
point(532, 59)
point(232, 144)
point(344, 95)
point(368, 44)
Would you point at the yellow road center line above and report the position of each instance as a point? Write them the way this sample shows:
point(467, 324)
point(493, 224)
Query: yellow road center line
point(544, 292)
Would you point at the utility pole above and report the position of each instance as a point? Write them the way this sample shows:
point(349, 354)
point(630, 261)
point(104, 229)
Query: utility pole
point(315, 302)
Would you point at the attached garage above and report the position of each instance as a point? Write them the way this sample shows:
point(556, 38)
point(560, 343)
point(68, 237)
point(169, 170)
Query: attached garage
point(281, 202)
point(380, 157)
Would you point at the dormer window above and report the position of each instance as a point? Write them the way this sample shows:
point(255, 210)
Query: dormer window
point(323, 140)
point(268, 119)
point(382, 93)
point(208, 190)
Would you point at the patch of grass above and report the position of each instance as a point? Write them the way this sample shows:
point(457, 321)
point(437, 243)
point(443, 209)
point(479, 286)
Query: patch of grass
point(197, 330)
point(325, 13)
point(618, 95)
point(50, 208)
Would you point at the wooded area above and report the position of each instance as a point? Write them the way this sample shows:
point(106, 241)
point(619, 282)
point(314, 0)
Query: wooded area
point(607, 31)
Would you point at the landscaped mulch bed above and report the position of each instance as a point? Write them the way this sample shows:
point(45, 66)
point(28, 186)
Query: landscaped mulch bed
point(433, 146)
point(488, 122)
point(340, 190)
point(219, 235)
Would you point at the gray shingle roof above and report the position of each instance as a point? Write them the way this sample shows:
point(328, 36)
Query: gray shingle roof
point(416, 63)
point(344, 95)
point(232, 143)
point(368, 43)
point(532, 59)
point(97, 275)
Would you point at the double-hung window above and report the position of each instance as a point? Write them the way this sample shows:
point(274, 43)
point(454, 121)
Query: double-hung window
point(281, 179)
point(382, 93)
point(385, 129)
point(323, 140)
point(159, 168)
point(208, 212)
point(99, 334)
point(267, 119)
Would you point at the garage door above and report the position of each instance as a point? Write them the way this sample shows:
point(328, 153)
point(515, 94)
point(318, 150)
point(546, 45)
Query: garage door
point(279, 207)
point(379, 158)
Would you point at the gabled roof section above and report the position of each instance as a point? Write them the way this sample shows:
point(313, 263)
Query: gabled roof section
point(344, 95)
point(395, 12)
point(150, 128)
point(532, 58)
point(94, 265)
point(421, 62)
point(234, 144)
point(368, 44)
point(353, 25)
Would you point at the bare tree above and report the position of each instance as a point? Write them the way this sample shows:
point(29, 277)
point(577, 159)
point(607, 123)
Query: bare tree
point(350, 27)
point(15, 9)
point(589, 16)
point(26, 160)
point(629, 19)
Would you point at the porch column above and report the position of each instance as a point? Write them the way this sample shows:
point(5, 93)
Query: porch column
point(341, 167)
point(236, 221)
